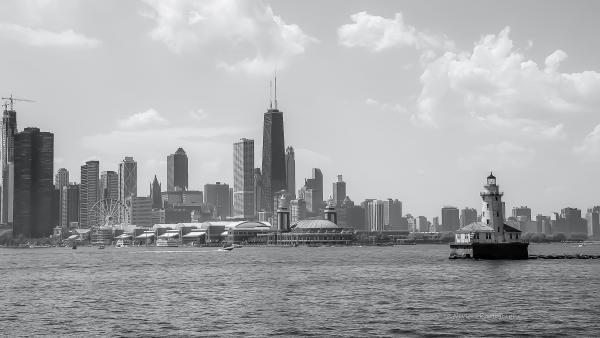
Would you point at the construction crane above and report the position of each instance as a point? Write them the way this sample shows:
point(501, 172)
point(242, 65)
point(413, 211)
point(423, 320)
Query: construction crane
point(11, 101)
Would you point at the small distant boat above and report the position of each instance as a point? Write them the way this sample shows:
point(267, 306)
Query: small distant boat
point(227, 247)
point(101, 246)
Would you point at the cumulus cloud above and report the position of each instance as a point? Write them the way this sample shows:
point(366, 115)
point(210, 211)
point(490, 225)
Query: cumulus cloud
point(377, 34)
point(497, 86)
point(44, 38)
point(146, 119)
point(243, 26)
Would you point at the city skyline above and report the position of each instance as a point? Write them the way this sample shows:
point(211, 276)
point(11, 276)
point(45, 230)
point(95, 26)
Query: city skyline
point(330, 117)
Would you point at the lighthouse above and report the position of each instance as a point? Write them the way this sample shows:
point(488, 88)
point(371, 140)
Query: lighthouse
point(490, 238)
point(491, 209)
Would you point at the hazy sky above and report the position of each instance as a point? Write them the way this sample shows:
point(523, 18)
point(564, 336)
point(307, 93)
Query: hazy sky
point(410, 100)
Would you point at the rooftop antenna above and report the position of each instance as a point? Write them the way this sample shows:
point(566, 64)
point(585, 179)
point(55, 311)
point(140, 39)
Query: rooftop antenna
point(270, 94)
point(276, 90)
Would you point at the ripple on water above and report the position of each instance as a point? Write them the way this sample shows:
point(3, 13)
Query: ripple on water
point(374, 291)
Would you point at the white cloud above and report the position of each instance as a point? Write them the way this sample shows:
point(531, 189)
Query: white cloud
point(149, 118)
point(589, 148)
point(44, 38)
point(249, 28)
point(377, 34)
point(497, 86)
point(395, 107)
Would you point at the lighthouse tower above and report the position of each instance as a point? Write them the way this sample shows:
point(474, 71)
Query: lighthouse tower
point(491, 209)
point(283, 214)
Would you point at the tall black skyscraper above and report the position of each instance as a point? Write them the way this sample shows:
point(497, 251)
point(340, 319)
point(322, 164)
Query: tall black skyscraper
point(34, 187)
point(273, 154)
point(177, 171)
point(9, 129)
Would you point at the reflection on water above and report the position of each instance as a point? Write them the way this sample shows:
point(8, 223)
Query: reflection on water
point(405, 290)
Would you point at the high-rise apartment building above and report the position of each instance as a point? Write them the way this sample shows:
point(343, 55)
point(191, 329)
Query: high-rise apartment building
point(297, 210)
point(9, 129)
point(69, 205)
point(592, 218)
point(217, 195)
point(89, 193)
point(290, 172)
point(522, 213)
point(141, 211)
point(243, 178)
point(273, 156)
point(450, 218)
point(313, 192)
point(127, 179)
point(177, 171)
point(467, 216)
point(33, 184)
point(374, 214)
point(422, 224)
point(339, 191)
point(61, 179)
point(392, 214)
point(109, 185)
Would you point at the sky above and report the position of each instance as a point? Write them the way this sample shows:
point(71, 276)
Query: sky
point(416, 101)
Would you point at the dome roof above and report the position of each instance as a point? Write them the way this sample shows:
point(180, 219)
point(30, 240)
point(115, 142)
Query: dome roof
point(315, 224)
point(491, 176)
point(180, 151)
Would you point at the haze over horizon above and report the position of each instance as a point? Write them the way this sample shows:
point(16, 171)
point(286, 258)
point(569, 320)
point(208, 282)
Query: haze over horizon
point(394, 96)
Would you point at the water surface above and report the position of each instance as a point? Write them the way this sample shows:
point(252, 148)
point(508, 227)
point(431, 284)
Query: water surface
point(326, 291)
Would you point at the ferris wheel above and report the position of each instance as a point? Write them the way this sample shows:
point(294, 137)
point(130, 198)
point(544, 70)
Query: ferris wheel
point(109, 213)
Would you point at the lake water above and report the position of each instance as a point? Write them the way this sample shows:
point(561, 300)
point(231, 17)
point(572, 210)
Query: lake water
point(337, 291)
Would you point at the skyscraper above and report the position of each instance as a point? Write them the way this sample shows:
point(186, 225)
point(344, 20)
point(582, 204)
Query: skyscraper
point(450, 218)
point(141, 211)
point(339, 191)
point(33, 186)
point(522, 213)
point(61, 179)
point(290, 171)
point(374, 215)
point(156, 194)
point(467, 216)
point(69, 205)
point(89, 193)
point(217, 195)
point(243, 178)
point(127, 179)
point(258, 192)
point(313, 192)
point(273, 154)
point(109, 185)
point(9, 129)
point(392, 214)
point(177, 171)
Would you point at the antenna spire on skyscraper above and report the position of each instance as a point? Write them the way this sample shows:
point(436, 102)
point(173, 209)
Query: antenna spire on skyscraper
point(276, 90)
point(270, 94)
